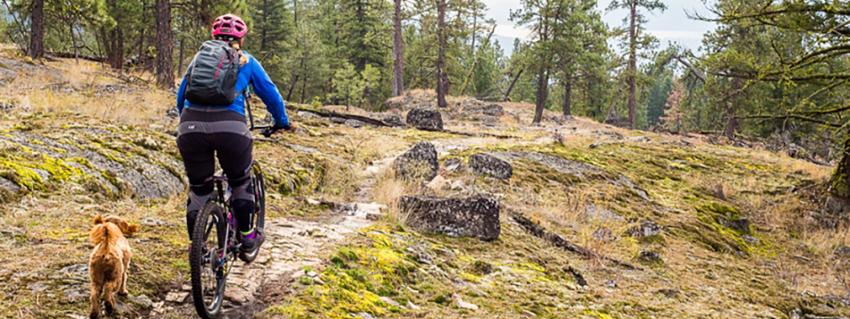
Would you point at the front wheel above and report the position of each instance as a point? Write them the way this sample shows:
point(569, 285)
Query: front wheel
point(207, 260)
point(258, 220)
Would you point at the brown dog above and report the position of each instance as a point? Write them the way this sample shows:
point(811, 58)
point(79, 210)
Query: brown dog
point(109, 261)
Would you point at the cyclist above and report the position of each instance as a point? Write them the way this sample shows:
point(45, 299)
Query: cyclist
point(207, 131)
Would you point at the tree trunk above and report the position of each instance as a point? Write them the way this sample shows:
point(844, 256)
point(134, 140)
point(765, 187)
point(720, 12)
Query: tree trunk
point(632, 69)
point(116, 48)
point(838, 184)
point(442, 77)
point(164, 45)
point(542, 94)
point(180, 51)
point(398, 52)
point(731, 114)
point(568, 94)
point(36, 49)
point(511, 86)
point(264, 31)
point(360, 16)
point(475, 58)
point(543, 72)
point(140, 60)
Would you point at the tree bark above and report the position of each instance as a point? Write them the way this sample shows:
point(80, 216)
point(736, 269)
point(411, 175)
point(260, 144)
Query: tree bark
point(511, 86)
point(543, 73)
point(839, 185)
point(398, 52)
point(180, 51)
point(442, 77)
point(264, 31)
point(36, 49)
point(140, 59)
point(542, 94)
point(164, 45)
point(731, 110)
point(568, 94)
point(632, 68)
point(116, 48)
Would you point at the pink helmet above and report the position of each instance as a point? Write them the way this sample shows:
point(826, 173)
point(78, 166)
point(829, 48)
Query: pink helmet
point(229, 25)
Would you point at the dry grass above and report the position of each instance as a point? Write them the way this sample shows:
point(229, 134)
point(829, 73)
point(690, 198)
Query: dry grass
point(79, 86)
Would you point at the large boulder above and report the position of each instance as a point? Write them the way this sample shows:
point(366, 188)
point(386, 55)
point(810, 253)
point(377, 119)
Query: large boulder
point(489, 165)
point(476, 216)
point(425, 119)
point(418, 163)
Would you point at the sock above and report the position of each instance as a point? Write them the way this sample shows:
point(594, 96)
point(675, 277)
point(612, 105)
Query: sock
point(249, 234)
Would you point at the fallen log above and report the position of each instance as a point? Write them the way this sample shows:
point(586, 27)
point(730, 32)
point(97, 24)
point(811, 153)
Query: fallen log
point(561, 242)
point(71, 55)
point(332, 114)
point(499, 136)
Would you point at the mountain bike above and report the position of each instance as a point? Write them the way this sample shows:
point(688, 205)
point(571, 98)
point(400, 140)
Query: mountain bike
point(215, 246)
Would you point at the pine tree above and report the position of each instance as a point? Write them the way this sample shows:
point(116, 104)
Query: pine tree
point(636, 20)
point(672, 119)
point(164, 45)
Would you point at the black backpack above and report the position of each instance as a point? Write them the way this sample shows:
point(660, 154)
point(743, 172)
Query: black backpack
point(211, 77)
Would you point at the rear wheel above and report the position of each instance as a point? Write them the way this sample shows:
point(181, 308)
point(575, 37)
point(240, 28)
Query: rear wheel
point(208, 261)
point(259, 218)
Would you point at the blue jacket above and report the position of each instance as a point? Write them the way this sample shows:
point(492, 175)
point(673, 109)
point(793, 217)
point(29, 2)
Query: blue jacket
point(253, 73)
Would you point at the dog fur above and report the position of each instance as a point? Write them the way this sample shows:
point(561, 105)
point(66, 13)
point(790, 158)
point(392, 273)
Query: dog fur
point(109, 261)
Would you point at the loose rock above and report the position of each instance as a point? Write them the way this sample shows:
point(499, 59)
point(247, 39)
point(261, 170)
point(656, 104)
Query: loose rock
point(646, 229)
point(649, 257)
point(741, 225)
point(463, 304)
point(393, 120)
point(453, 165)
point(489, 165)
point(425, 119)
point(420, 162)
point(601, 213)
point(476, 216)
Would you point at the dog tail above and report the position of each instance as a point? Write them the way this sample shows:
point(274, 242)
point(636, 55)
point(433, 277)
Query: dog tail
point(100, 236)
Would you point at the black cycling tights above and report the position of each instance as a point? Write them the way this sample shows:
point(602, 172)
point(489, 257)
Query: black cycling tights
point(203, 136)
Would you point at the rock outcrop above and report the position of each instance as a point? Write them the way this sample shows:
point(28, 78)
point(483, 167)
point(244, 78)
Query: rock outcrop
point(418, 163)
point(425, 119)
point(476, 216)
point(96, 160)
point(489, 165)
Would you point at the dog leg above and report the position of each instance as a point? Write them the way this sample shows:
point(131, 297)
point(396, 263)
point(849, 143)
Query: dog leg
point(94, 298)
point(109, 295)
point(122, 290)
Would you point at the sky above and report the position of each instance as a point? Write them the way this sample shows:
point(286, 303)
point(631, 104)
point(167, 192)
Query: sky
point(671, 25)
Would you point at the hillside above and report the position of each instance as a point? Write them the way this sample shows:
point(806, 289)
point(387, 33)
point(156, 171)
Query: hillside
point(595, 221)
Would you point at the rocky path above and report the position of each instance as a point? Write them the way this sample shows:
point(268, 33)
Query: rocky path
point(292, 245)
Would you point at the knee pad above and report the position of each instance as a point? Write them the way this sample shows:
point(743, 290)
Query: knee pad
point(196, 202)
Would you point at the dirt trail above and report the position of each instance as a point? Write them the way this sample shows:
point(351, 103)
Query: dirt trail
point(291, 246)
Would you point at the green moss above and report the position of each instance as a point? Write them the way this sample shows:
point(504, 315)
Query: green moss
point(597, 314)
point(355, 281)
point(25, 171)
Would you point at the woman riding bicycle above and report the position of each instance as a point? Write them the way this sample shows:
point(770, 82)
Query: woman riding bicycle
point(207, 131)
